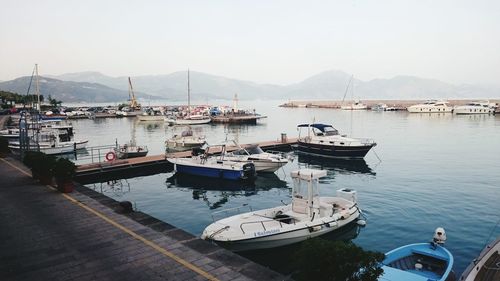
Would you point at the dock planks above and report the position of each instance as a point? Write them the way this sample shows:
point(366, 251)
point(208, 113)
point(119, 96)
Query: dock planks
point(124, 164)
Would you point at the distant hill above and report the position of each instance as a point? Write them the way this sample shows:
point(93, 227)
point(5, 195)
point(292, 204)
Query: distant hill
point(174, 86)
point(67, 91)
point(95, 86)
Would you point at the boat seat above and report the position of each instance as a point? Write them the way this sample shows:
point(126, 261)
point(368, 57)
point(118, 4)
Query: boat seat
point(299, 205)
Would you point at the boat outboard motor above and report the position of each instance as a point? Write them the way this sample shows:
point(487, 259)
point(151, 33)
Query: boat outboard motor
point(248, 170)
point(439, 237)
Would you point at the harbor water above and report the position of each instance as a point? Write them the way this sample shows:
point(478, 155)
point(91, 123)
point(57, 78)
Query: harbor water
point(428, 170)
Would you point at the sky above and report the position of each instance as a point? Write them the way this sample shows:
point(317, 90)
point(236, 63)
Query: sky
point(265, 41)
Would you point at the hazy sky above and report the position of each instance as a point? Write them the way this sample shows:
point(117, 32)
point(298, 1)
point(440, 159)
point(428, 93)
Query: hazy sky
point(266, 41)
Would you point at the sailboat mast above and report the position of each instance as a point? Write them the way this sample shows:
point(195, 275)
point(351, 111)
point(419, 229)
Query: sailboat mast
point(189, 97)
point(37, 89)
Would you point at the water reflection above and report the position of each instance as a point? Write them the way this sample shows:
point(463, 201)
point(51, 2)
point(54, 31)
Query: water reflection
point(200, 186)
point(342, 166)
point(117, 188)
point(280, 259)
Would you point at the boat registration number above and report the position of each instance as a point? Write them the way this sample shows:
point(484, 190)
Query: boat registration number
point(265, 233)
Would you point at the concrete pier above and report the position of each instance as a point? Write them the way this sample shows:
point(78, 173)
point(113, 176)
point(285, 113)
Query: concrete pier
point(47, 235)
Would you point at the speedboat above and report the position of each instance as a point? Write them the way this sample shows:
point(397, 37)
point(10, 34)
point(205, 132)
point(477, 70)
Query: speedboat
point(201, 164)
point(263, 161)
point(419, 262)
point(356, 105)
point(324, 140)
point(476, 107)
point(431, 106)
point(486, 267)
point(185, 141)
point(307, 216)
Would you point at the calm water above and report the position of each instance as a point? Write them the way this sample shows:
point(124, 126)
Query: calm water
point(435, 170)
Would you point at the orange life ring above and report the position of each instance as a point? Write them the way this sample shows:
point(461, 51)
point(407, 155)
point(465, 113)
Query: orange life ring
point(110, 156)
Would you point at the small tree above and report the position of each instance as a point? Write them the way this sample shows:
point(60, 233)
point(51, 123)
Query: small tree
point(319, 259)
point(54, 102)
point(4, 145)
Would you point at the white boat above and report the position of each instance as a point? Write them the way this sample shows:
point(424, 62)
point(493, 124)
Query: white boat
point(379, 107)
point(486, 267)
point(52, 142)
point(151, 114)
point(197, 119)
point(476, 107)
point(356, 105)
point(185, 141)
point(431, 106)
point(263, 161)
point(308, 216)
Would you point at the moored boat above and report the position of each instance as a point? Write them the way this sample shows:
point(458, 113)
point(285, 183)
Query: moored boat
point(419, 262)
point(431, 106)
point(324, 140)
point(355, 105)
point(202, 164)
point(263, 161)
point(486, 267)
point(307, 216)
point(187, 140)
point(131, 151)
point(476, 107)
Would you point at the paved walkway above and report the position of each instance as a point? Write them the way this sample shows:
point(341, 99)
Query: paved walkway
point(46, 235)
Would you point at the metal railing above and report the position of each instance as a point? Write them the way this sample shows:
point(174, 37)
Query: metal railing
point(96, 154)
point(232, 209)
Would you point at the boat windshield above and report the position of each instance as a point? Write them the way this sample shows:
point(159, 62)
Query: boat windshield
point(330, 131)
point(254, 149)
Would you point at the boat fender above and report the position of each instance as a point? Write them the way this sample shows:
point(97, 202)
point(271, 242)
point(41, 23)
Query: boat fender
point(344, 215)
point(314, 228)
point(110, 156)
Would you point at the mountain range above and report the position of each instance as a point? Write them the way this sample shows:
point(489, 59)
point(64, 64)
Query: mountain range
point(330, 85)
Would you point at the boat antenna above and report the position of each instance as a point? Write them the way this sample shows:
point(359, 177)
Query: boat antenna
point(347, 88)
point(37, 87)
point(189, 97)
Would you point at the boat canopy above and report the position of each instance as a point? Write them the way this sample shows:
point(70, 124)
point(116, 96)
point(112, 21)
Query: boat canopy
point(324, 128)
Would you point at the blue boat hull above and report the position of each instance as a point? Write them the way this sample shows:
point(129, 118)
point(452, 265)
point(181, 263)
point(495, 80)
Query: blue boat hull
point(212, 172)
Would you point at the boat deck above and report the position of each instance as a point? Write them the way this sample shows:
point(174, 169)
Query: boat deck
point(148, 162)
point(491, 269)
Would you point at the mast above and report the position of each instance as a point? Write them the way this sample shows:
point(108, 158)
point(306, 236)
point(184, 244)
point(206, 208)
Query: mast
point(37, 89)
point(189, 98)
point(235, 103)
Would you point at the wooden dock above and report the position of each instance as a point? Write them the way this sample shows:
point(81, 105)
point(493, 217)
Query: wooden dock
point(157, 163)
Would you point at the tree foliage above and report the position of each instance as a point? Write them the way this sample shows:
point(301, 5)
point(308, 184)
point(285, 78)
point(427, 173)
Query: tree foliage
point(7, 97)
point(319, 259)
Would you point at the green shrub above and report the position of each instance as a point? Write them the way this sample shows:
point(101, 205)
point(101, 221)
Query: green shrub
point(32, 157)
point(44, 165)
point(4, 145)
point(319, 259)
point(64, 169)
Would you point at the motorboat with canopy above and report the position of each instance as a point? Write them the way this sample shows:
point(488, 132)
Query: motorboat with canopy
point(307, 216)
point(324, 140)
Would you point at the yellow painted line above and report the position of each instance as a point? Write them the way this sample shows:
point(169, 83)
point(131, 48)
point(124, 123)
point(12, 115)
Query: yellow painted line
point(130, 232)
point(16, 167)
